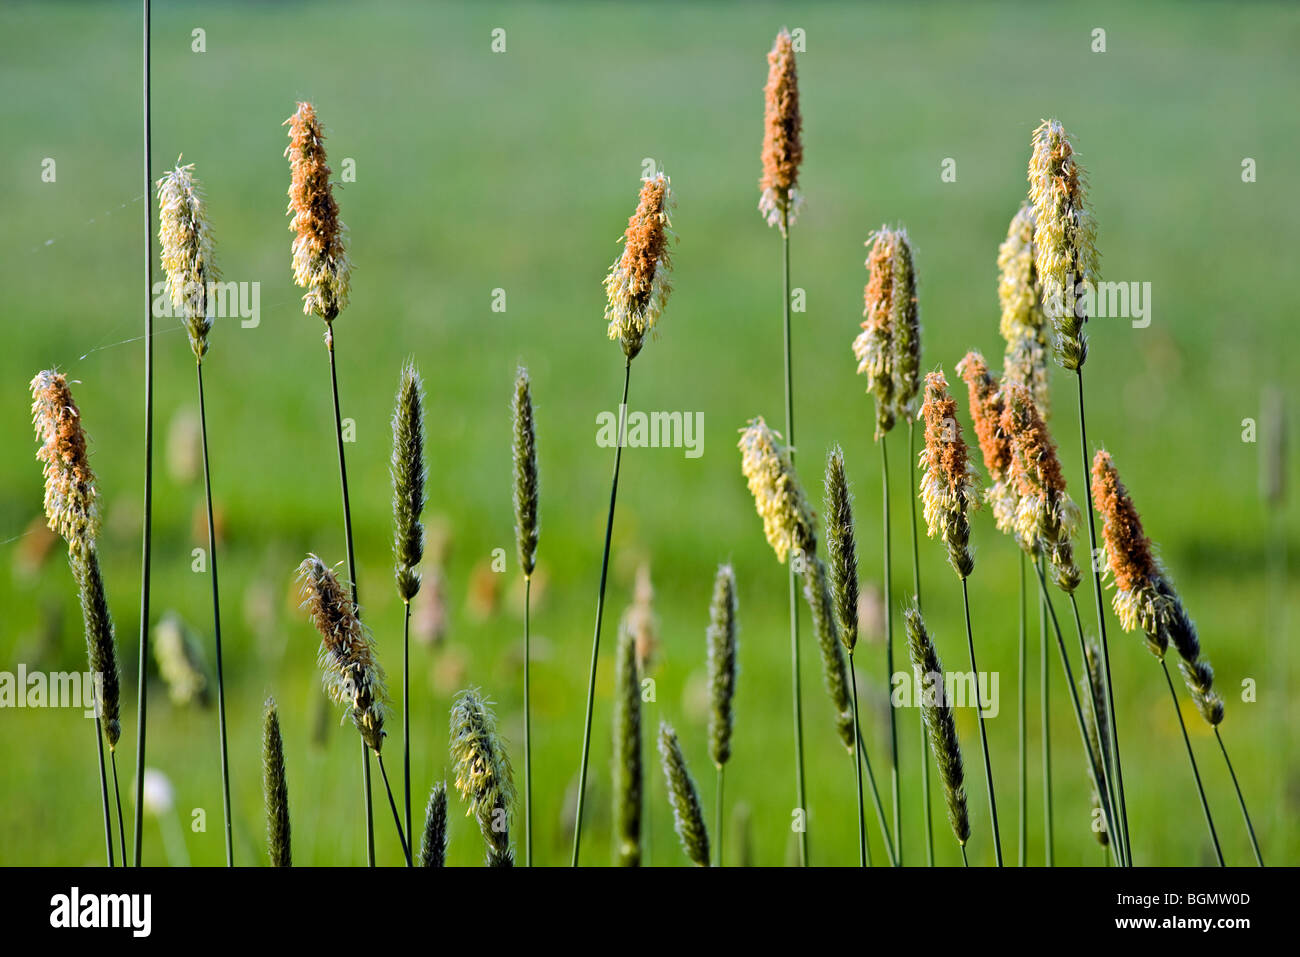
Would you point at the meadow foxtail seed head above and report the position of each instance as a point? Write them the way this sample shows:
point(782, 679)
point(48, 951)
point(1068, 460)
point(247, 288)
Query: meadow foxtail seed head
point(949, 485)
point(408, 471)
point(484, 777)
point(782, 144)
point(888, 349)
point(433, 848)
point(1064, 243)
point(835, 675)
point(721, 636)
point(275, 789)
point(640, 280)
point(688, 819)
point(841, 549)
point(1023, 324)
point(351, 674)
point(186, 243)
point(1094, 718)
point(627, 750)
point(101, 645)
point(525, 465)
point(986, 406)
point(71, 495)
point(938, 714)
point(1046, 518)
point(320, 260)
point(778, 498)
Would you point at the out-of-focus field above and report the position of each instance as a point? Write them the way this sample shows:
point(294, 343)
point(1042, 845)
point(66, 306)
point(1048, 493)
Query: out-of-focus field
point(479, 171)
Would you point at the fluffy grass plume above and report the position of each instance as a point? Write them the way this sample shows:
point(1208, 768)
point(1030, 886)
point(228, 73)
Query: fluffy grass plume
point(186, 244)
point(525, 471)
point(782, 144)
point(351, 674)
point(640, 280)
point(788, 523)
point(888, 349)
point(1091, 684)
point(71, 495)
point(1064, 243)
point(1045, 514)
point(1023, 324)
point(722, 663)
point(937, 711)
point(275, 788)
point(483, 774)
point(627, 750)
point(688, 819)
point(408, 472)
point(949, 487)
point(1144, 596)
point(433, 849)
point(986, 408)
point(320, 261)
point(841, 550)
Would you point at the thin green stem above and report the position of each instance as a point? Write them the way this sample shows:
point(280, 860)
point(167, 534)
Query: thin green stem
point(1044, 691)
point(1098, 709)
point(889, 660)
point(216, 621)
point(916, 591)
point(964, 861)
point(397, 819)
point(343, 465)
point(1254, 844)
point(717, 815)
point(528, 730)
point(103, 786)
point(370, 818)
point(1191, 758)
point(117, 794)
point(147, 533)
point(1022, 838)
point(1101, 623)
point(801, 794)
point(857, 766)
point(979, 711)
point(406, 712)
point(875, 799)
point(600, 611)
point(1094, 760)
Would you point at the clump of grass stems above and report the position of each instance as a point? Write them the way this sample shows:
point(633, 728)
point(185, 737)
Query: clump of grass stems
point(721, 637)
point(1065, 256)
point(185, 239)
point(408, 473)
point(526, 536)
point(433, 848)
point(937, 711)
point(484, 777)
point(275, 789)
point(350, 672)
point(949, 489)
point(627, 775)
point(779, 202)
point(72, 511)
point(888, 354)
point(636, 290)
point(688, 818)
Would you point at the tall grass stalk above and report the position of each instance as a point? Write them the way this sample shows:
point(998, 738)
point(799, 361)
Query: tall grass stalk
point(1022, 837)
point(916, 594)
point(721, 635)
point(103, 786)
point(984, 741)
point(526, 535)
point(1044, 694)
point(1191, 759)
point(397, 817)
point(1250, 828)
point(889, 658)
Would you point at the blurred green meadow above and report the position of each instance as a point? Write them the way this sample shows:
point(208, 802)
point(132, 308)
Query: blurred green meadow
point(478, 171)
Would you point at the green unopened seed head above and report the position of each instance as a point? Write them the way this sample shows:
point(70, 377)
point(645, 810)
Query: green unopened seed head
point(525, 464)
point(350, 672)
point(721, 636)
point(841, 550)
point(835, 672)
point(186, 241)
point(1094, 718)
point(275, 789)
point(688, 819)
point(433, 850)
point(938, 715)
point(408, 471)
point(101, 645)
point(627, 750)
point(484, 777)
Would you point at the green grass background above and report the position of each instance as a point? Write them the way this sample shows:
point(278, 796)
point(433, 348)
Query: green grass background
point(477, 171)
